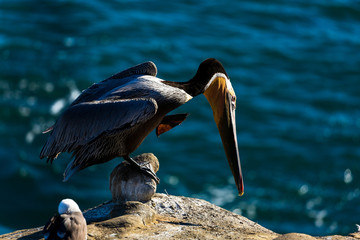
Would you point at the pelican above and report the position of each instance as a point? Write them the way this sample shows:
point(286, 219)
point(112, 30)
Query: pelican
point(112, 118)
point(68, 224)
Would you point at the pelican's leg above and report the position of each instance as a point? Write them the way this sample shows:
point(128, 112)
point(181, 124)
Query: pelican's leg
point(142, 168)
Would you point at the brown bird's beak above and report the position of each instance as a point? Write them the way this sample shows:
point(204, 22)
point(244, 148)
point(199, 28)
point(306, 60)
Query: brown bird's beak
point(221, 96)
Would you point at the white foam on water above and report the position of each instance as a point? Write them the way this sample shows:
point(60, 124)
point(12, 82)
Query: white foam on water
point(57, 106)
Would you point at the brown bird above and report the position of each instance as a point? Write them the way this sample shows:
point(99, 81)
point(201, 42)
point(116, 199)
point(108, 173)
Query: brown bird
point(112, 118)
point(68, 224)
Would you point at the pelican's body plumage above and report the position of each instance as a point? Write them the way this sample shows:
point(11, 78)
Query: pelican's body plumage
point(68, 224)
point(112, 118)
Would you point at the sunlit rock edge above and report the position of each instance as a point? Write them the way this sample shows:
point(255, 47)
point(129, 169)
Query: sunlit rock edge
point(171, 217)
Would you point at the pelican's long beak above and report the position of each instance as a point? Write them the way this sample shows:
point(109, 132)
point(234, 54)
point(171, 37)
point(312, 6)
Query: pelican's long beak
point(221, 96)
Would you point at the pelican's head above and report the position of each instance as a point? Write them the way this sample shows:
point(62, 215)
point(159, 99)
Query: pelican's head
point(221, 96)
point(68, 206)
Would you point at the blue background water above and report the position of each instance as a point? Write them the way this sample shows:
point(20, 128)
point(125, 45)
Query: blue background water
point(295, 66)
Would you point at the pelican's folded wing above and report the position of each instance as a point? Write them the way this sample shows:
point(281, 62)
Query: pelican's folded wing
point(51, 227)
point(85, 121)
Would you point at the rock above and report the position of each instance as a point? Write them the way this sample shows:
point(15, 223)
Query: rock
point(295, 236)
point(355, 235)
point(170, 217)
point(128, 184)
point(124, 218)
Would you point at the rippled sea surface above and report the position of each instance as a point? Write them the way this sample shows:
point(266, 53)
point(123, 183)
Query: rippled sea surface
point(294, 65)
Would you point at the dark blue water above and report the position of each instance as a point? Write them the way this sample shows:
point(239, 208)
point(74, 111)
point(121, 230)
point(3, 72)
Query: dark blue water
point(295, 67)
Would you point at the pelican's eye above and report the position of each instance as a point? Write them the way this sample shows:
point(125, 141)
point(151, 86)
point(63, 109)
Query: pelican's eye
point(233, 101)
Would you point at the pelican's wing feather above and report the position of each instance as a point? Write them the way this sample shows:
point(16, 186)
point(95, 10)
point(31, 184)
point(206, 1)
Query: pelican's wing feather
point(83, 122)
point(51, 227)
point(98, 89)
point(146, 68)
point(169, 122)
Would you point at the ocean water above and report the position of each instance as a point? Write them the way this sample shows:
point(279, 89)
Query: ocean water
point(294, 65)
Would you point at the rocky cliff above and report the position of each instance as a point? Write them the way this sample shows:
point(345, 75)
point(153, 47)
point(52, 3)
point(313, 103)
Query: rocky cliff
point(171, 217)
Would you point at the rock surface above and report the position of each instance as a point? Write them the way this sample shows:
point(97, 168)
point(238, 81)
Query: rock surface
point(171, 217)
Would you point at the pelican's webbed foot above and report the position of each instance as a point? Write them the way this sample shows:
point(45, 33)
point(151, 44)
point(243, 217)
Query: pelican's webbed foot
point(143, 168)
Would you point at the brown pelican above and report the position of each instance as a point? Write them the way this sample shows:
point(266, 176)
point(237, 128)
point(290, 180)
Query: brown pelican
point(112, 118)
point(68, 224)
